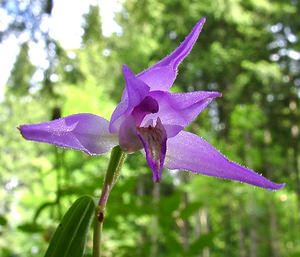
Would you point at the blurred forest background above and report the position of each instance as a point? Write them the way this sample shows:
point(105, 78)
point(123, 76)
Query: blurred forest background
point(249, 50)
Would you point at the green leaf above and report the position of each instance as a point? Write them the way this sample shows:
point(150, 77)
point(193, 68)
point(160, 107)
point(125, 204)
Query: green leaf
point(3, 220)
point(30, 227)
point(70, 237)
point(41, 208)
point(190, 210)
point(205, 240)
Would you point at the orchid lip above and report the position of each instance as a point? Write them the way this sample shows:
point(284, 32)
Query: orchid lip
point(154, 140)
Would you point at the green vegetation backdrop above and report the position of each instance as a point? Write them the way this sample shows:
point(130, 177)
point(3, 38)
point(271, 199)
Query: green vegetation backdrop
point(248, 50)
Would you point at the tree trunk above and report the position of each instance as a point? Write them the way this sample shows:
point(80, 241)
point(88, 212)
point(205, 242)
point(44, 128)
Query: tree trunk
point(155, 225)
point(143, 236)
point(184, 229)
point(203, 215)
point(275, 246)
point(242, 236)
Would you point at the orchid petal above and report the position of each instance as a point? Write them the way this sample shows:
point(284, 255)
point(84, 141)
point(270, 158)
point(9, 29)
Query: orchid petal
point(128, 138)
point(147, 106)
point(177, 110)
point(154, 141)
point(189, 152)
point(162, 75)
point(135, 91)
point(85, 132)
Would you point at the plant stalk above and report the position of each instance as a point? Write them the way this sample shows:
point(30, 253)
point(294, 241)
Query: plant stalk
point(116, 161)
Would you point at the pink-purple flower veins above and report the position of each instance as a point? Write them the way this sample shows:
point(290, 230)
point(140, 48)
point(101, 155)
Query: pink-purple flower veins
point(154, 141)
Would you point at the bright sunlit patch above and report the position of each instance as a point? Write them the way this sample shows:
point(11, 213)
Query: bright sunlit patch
point(66, 22)
point(283, 197)
point(5, 19)
point(293, 54)
point(8, 52)
point(108, 8)
point(12, 184)
point(66, 25)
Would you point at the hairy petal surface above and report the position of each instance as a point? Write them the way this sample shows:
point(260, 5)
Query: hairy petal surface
point(189, 152)
point(135, 91)
point(85, 132)
point(177, 110)
point(162, 75)
point(154, 141)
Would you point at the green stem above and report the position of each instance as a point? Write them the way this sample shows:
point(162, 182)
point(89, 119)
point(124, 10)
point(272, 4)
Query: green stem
point(97, 237)
point(116, 161)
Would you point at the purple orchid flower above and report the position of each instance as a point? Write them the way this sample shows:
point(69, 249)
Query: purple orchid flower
point(150, 117)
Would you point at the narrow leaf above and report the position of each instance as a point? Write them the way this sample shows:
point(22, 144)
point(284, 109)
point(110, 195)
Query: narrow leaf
point(31, 227)
point(70, 237)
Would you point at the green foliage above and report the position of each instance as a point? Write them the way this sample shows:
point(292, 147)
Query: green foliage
point(92, 27)
point(70, 237)
point(20, 80)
